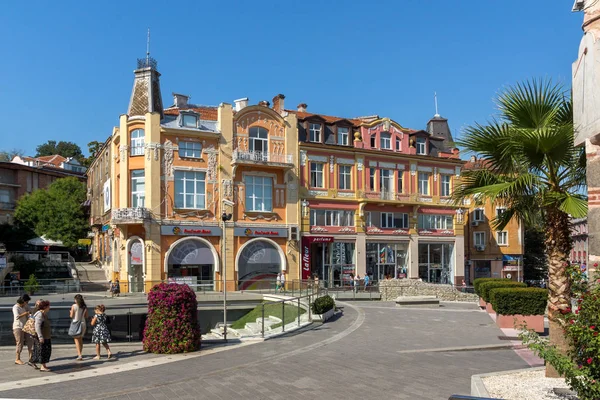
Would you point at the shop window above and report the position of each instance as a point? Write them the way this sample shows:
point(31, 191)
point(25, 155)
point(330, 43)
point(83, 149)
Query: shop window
point(436, 262)
point(190, 190)
point(385, 260)
point(259, 193)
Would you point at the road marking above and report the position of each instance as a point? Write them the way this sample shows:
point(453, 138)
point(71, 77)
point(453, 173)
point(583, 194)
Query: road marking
point(461, 348)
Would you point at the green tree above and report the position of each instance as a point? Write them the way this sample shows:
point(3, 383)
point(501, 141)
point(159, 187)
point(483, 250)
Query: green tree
point(65, 149)
point(56, 212)
point(532, 166)
point(9, 155)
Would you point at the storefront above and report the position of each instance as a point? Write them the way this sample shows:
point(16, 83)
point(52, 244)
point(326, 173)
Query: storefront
point(260, 256)
point(135, 264)
point(511, 267)
point(436, 262)
point(332, 260)
point(386, 259)
point(193, 258)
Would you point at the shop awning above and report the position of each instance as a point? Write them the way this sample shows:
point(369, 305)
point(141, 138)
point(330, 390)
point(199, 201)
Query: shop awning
point(507, 257)
point(43, 241)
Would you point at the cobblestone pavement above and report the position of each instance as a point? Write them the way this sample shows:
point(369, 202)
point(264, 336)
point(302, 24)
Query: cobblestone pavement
point(370, 350)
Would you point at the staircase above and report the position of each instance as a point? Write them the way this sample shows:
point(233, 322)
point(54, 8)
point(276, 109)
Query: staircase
point(92, 278)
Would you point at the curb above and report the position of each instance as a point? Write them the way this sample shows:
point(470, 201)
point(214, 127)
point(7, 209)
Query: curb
point(478, 388)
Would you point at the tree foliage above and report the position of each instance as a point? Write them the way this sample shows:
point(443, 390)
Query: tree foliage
point(65, 149)
point(8, 155)
point(56, 212)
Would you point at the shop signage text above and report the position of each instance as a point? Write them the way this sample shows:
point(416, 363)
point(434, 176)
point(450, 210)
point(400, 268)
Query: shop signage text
point(261, 232)
point(306, 242)
point(190, 230)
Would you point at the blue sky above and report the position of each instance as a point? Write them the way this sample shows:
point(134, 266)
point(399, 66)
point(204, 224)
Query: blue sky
point(67, 67)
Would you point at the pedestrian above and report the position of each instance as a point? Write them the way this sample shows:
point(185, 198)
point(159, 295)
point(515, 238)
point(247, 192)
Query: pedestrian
point(367, 280)
point(464, 286)
point(42, 345)
point(115, 288)
point(282, 281)
point(20, 313)
point(101, 333)
point(356, 282)
point(78, 315)
point(278, 282)
point(316, 278)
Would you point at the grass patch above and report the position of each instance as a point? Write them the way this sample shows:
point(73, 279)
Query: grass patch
point(275, 310)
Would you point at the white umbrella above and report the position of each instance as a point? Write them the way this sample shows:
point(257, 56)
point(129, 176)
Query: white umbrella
point(43, 241)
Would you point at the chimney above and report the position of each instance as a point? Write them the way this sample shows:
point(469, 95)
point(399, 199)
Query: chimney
point(180, 100)
point(264, 103)
point(302, 107)
point(240, 103)
point(278, 103)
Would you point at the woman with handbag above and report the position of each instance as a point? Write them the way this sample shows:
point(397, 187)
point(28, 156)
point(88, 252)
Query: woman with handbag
point(42, 346)
point(20, 314)
point(78, 315)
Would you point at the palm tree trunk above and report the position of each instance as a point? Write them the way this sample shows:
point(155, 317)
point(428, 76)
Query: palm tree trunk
point(558, 246)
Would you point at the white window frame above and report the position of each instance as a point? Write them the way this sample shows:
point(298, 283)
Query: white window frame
point(315, 132)
point(373, 141)
point(385, 141)
point(478, 212)
point(400, 182)
point(343, 136)
point(316, 171)
point(333, 217)
point(255, 135)
point(479, 238)
point(435, 221)
point(386, 175)
point(445, 185)
point(421, 145)
point(137, 142)
point(398, 144)
point(345, 177)
point(387, 220)
point(423, 190)
point(190, 176)
point(504, 235)
point(189, 149)
point(257, 203)
point(185, 123)
point(394, 220)
point(372, 180)
point(502, 209)
point(138, 198)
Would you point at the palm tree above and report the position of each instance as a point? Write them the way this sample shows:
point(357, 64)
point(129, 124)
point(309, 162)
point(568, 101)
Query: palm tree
point(532, 167)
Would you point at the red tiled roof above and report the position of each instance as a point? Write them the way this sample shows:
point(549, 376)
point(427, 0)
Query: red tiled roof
point(206, 112)
point(327, 118)
point(55, 159)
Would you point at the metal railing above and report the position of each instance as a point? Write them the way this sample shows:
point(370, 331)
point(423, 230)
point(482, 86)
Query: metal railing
point(261, 156)
point(130, 215)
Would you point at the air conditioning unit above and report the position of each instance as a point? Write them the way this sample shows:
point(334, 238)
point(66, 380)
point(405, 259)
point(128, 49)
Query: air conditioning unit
point(294, 233)
point(480, 248)
point(474, 223)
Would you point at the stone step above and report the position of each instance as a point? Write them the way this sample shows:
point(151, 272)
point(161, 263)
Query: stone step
point(417, 301)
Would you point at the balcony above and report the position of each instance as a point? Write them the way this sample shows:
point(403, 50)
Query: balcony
point(7, 205)
point(130, 215)
point(260, 157)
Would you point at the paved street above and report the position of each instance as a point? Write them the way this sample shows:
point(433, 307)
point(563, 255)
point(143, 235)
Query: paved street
point(373, 350)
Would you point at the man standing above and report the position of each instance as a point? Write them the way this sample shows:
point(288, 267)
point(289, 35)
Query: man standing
point(367, 279)
point(282, 281)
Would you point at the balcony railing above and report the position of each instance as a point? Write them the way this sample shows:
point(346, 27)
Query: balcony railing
point(261, 156)
point(7, 205)
point(130, 215)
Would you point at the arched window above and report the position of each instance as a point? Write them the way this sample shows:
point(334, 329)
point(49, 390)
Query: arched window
point(137, 142)
point(192, 261)
point(259, 262)
point(259, 140)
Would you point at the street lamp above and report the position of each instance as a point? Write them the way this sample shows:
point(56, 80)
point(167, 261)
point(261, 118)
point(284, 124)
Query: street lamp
point(225, 217)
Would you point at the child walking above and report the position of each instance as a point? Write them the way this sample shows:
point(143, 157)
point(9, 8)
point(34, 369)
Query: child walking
point(100, 334)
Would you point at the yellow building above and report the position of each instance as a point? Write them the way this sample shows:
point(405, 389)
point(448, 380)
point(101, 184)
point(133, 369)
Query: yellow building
point(488, 252)
point(176, 170)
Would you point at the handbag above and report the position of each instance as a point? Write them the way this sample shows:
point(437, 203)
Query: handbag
point(75, 328)
point(29, 327)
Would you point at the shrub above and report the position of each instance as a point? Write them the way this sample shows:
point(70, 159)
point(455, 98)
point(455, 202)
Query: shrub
point(477, 283)
point(485, 287)
point(172, 322)
point(581, 365)
point(323, 304)
point(519, 301)
point(32, 285)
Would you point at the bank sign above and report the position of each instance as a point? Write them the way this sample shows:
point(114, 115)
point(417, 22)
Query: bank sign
point(261, 232)
point(179, 230)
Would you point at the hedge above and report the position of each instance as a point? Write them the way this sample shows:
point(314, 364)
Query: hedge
point(323, 304)
point(477, 282)
point(485, 287)
point(519, 301)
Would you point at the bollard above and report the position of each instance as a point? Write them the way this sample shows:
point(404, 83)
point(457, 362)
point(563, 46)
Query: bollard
point(263, 321)
point(283, 316)
point(298, 312)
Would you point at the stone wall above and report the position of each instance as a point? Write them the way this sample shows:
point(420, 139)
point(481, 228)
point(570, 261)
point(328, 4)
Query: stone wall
point(393, 288)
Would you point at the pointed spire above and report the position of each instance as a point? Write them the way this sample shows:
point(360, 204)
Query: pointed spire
point(148, 48)
point(146, 96)
point(437, 115)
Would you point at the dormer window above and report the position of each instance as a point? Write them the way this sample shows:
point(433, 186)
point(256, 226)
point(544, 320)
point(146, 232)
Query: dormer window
point(342, 138)
point(385, 141)
point(398, 144)
point(373, 141)
point(189, 120)
point(421, 146)
point(315, 133)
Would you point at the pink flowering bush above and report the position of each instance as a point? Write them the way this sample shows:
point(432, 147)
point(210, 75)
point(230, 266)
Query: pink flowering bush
point(581, 365)
point(172, 323)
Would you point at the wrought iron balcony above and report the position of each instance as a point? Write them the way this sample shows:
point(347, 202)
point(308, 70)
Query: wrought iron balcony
point(130, 215)
point(252, 157)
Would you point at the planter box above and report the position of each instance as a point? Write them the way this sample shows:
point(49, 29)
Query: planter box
point(481, 303)
point(323, 317)
point(535, 322)
point(489, 308)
